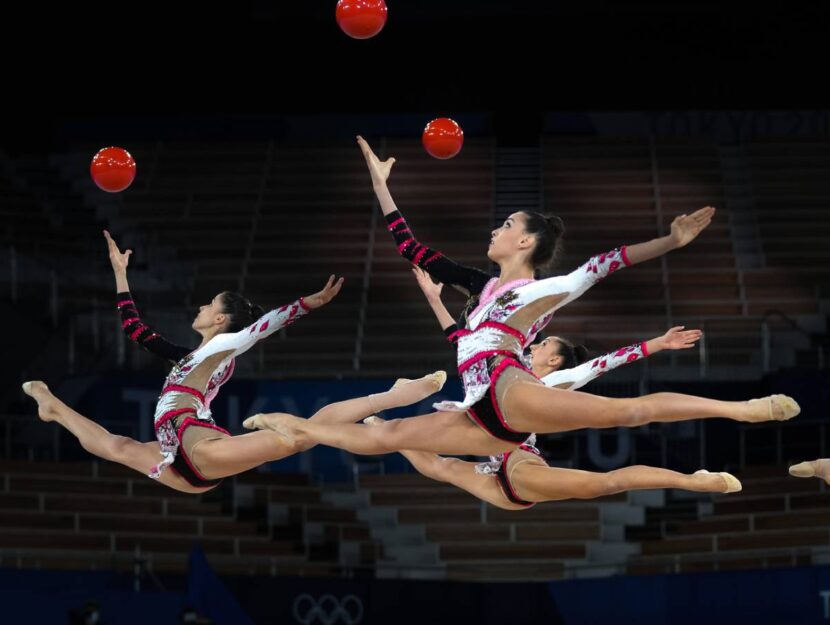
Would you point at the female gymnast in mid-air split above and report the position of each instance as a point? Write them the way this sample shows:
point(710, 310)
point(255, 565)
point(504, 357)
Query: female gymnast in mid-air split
point(504, 402)
point(198, 452)
point(519, 479)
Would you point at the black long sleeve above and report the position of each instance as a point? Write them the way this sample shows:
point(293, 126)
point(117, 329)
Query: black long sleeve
point(139, 332)
point(467, 279)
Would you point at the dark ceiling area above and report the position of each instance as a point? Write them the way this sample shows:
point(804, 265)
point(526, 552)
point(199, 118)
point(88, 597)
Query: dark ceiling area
point(516, 59)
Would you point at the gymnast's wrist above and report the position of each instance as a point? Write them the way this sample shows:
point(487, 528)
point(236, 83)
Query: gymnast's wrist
point(673, 243)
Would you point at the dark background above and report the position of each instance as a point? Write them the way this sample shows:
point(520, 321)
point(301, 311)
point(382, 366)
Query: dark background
point(230, 61)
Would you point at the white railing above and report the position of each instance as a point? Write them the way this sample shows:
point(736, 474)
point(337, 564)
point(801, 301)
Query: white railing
point(367, 275)
point(263, 186)
point(661, 226)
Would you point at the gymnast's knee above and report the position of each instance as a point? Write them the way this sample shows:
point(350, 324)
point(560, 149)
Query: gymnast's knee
point(388, 436)
point(441, 469)
point(632, 412)
point(117, 448)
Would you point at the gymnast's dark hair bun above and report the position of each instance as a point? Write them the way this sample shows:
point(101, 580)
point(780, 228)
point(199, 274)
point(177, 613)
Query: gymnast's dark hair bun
point(242, 312)
point(572, 355)
point(548, 230)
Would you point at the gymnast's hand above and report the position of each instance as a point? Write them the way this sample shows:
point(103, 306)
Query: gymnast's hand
point(329, 292)
point(679, 338)
point(685, 228)
point(377, 168)
point(430, 288)
point(119, 261)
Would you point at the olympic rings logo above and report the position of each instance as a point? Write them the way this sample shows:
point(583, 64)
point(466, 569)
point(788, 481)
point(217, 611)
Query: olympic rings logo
point(328, 610)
